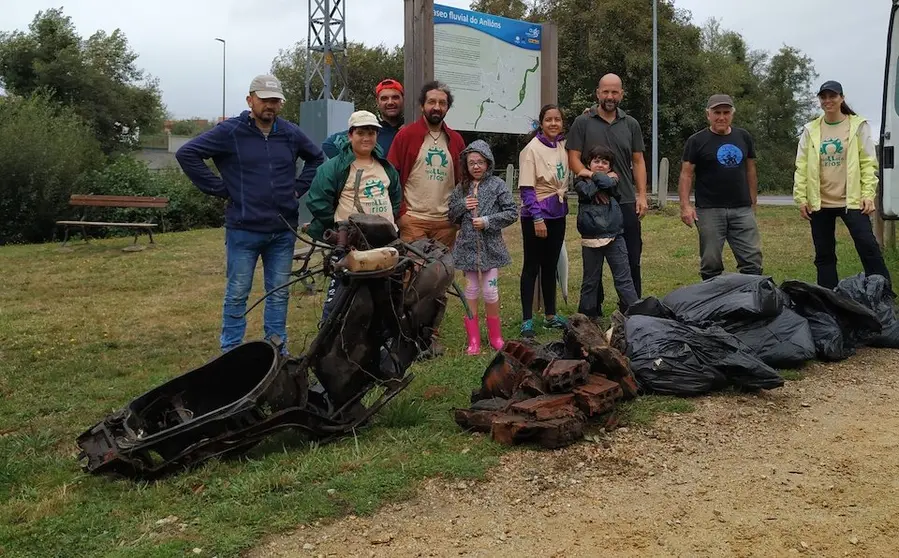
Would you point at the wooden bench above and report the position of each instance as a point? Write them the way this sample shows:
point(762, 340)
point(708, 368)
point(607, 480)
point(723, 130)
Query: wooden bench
point(88, 201)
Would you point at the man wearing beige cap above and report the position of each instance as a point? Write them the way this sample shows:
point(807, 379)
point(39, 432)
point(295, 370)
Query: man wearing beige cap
point(358, 179)
point(256, 155)
point(722, 159)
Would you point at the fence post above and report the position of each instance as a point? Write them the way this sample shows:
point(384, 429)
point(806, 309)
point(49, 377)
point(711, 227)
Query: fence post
point(663, 182)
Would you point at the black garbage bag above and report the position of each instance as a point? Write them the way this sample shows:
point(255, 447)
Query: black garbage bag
point(828, 335)
point(669, 357)
point(650, 306)
point(782, 342)
point(731, 299)
point(824, 309)
point(874, 293)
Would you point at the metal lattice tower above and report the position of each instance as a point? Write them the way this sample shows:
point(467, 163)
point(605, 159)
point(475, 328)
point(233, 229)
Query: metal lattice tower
point(326, 49)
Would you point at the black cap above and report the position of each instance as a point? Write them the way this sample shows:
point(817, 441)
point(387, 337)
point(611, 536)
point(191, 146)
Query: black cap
point(833, 86)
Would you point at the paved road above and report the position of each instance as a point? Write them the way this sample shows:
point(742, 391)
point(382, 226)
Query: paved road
point(763, 200)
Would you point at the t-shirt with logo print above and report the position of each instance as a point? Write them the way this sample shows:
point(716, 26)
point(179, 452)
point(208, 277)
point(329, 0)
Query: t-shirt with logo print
point(431, 180)
point(834, 141)
point(374, 196)
point(720, 159)
point(546, 168)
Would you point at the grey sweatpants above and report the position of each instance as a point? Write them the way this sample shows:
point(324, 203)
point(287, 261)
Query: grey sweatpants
point(741, 231)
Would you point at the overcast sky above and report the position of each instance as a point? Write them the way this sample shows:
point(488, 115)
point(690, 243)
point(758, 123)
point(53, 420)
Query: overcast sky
point(175, 40)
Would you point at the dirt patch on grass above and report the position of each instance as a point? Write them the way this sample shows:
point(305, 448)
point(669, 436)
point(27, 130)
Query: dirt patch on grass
point(807, 469)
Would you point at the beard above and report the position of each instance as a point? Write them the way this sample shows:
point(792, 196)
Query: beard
point(435, 117)
point(609, 105)
point(266, 115)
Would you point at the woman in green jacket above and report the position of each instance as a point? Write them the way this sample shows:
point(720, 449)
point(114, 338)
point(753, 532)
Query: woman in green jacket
point(835, 176)
point(358, 180)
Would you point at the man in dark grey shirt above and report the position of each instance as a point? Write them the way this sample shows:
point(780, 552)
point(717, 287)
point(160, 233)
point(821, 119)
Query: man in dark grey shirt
point(608, 125)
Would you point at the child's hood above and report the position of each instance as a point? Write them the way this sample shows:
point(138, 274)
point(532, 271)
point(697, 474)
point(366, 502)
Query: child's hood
point(479, 146)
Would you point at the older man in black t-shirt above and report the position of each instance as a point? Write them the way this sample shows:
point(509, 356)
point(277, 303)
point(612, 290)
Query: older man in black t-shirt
point(722, 158)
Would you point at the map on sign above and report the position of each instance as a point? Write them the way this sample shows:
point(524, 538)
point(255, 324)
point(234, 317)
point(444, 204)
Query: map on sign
point(492, 66)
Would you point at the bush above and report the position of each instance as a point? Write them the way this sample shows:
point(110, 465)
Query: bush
point(44, 149)
point(124, 176)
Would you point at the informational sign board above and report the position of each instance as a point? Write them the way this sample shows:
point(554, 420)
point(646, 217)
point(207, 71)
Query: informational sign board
point(492, 66)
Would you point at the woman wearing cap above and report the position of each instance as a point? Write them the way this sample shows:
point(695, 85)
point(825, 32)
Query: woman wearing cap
point(358, 180)
point(835, 177)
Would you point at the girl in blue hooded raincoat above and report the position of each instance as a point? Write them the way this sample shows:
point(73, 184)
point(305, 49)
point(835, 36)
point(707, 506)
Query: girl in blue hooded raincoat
point(481, 205)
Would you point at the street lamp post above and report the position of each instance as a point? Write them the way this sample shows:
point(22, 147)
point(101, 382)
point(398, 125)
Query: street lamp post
point(655, 97)
point(223, 76)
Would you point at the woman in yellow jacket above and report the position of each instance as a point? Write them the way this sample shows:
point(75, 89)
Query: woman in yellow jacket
point(836, 177)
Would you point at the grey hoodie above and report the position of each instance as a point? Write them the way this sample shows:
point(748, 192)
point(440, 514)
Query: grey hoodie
point(482, 250)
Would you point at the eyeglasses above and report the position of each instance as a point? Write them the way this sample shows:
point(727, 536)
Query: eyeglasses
point(477, 163)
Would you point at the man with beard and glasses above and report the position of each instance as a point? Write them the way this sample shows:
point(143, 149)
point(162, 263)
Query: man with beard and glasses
point(607, 125)
point(256, 155)
point(389, 95)
point(426, 154)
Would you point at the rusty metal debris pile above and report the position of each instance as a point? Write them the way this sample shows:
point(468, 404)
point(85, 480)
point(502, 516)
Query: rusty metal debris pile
point(391, 298)
point(546, 394)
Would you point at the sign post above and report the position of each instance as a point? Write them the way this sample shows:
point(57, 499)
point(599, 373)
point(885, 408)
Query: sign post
point(418, 52)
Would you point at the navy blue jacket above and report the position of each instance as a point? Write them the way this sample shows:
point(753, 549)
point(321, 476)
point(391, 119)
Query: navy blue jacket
point(596, 220)
point(385, 138)
point(258, 174)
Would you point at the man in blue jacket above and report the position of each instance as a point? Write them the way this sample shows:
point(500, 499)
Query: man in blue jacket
point(256, 155)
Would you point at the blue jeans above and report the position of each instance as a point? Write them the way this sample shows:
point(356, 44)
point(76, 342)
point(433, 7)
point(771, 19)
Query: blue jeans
point(243, 249)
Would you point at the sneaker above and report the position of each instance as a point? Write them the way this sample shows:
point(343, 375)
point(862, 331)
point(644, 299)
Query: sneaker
point(556, 322)
point(527, 329)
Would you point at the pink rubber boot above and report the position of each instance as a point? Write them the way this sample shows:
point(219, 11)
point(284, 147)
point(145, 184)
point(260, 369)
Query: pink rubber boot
point(495, 332)
point(474, 335)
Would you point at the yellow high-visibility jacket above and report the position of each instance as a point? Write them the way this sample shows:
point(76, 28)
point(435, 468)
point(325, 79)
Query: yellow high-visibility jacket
point(861, 165)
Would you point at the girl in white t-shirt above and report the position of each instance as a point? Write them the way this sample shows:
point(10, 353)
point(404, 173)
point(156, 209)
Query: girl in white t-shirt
point(543, 185)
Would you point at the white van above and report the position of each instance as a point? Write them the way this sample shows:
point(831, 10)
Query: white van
point(889, 177)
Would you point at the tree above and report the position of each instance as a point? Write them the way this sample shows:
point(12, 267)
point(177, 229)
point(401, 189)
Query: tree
point(97, 77)
point(786, 103)
point(615, 36)
point(44, 151)
point(514, 9)
point(365, 66)
point(192, 127)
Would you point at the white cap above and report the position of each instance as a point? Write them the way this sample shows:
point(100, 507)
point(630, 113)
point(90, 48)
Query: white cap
point(363, 118)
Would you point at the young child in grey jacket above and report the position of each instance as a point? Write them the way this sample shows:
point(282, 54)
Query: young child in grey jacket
point(482, 205)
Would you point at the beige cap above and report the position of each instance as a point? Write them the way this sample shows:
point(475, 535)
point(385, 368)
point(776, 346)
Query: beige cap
point(267, 87)
point(363, 118)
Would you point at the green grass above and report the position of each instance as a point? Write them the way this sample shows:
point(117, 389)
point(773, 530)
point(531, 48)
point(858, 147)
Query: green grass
point(791, 375)
point(84, 332)
point(642, 411)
